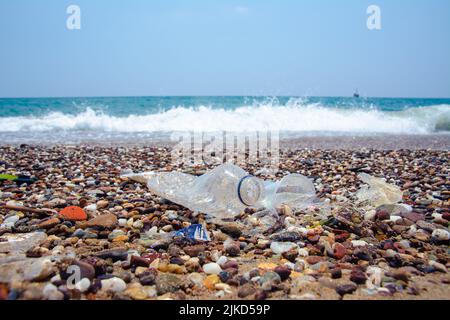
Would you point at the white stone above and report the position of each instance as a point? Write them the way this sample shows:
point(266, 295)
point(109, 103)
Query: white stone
point(51, 292)
point(196, 278)
point(114, 284)
point(215, 255)
point(302, 252)
point(438, 266)
point(370, 215)
point(152, 232)
point(395, 218)
point(223, 286)
point(10, 221)
point(405, 244)
point(441, 235)
point(407, 207)
point(138, 224)
point(290, 265)
point(122, 222)
point(280, 247)
point(212, 268)
point(91, 208)
point(222, 260)
point(151, 291)
point(438, 218)
point(359, 243)
point(171, 215)
point(83, 285)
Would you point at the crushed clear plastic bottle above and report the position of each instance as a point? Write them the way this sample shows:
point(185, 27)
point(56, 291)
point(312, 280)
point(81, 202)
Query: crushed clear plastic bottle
point(227, 190)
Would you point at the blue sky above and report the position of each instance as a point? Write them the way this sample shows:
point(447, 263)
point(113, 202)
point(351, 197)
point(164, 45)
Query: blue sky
point(224, 47)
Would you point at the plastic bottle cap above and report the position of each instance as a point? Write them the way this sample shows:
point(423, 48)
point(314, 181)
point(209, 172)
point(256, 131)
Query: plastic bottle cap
point(249, 190)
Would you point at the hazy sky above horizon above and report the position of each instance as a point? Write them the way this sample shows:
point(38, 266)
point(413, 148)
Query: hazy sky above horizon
point(224, 47)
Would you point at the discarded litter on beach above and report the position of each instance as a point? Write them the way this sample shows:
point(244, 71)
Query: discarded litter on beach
point(194, 232)
point(227, 190)
point(377, 192)
point(19, 179)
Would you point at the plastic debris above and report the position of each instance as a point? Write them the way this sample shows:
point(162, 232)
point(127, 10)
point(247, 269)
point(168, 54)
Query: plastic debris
point(227, 190)
point(194, 232)
point(377, 192)
point(19, 179)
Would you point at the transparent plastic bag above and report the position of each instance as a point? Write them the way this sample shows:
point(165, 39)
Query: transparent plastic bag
point(377, 192)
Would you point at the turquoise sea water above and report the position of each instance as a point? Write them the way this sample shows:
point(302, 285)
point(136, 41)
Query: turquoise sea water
point(39, 118)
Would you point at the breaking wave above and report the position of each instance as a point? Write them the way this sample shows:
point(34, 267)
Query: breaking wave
point(309, 118)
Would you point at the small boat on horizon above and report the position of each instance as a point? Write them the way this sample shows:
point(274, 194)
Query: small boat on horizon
point(356, 94)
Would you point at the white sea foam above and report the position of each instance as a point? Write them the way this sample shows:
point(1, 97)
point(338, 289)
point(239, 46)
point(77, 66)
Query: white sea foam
point(311, 118)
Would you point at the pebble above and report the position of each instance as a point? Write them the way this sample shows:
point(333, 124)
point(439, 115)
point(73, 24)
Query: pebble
point(359, 243)
point(246, 290)
point(102, 204)
point(9, 222)
point(83, 285)
point(196, 278)
point(287, 236)
point(192, 265)
point(139, 261)
point(86, 269)
point(231, 229)
point(114, 284)
point(283, 271)
point(211, 281)
point(148, 277)
point(223, 287)
point(105, 221)
point(194, 251)
point(166, 283)
point(346, 289)
point(136, 292)
point(336, 273)
point(413, 216)
point(358, 277)
point(222, 260)
point(339, 251)
point(422, 236)
point(138, 224)
point(302, 252)
point(51, 292)
point(441, 235)
point(281, 247)
point(370, 215)
point(225, 276)
point(438, 266)
point(116, 233)
point(212, 268)
point(233, 249)
point(230, 264)
point(270, 277)
point(114, 254)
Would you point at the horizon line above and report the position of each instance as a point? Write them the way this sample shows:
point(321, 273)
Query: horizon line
point(230, 95)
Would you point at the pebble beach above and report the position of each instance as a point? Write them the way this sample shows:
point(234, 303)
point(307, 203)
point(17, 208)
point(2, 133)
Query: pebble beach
point(343, 249)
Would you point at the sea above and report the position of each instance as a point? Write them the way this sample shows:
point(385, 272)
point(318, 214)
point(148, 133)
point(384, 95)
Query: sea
point(74, 120)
